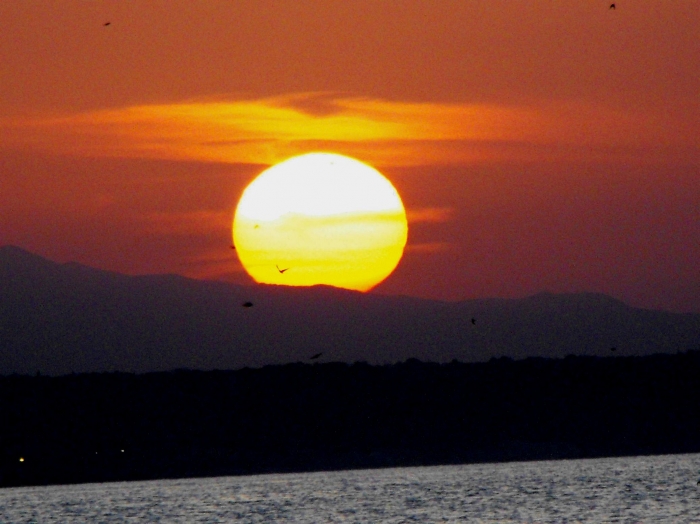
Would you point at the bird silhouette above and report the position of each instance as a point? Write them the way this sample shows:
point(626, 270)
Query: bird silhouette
point(314, 357)
point(281, 270)
point(612, 6)
point(107, 23)
point(247, 304)
point(613, 349)
point(474, 321)
point(233, 247)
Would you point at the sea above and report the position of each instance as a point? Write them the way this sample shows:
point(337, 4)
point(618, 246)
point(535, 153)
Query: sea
point(632, 489)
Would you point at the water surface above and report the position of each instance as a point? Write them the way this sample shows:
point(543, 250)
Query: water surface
point(637, 489)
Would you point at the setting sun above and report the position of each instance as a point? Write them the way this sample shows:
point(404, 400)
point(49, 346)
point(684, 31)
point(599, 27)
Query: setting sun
point(320, 218)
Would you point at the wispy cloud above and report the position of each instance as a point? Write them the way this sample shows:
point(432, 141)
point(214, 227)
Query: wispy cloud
point(186, 223)
point(215, 264)
point(427, 247)
point(429, 214)
point(381, 132)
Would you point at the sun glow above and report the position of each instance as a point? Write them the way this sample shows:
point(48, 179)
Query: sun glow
point(320, 218)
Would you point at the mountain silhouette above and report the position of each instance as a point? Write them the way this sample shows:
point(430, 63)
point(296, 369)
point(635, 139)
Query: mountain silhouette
point(62, 318)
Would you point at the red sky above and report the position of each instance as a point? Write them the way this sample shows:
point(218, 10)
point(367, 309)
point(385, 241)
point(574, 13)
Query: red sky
point(537, 145)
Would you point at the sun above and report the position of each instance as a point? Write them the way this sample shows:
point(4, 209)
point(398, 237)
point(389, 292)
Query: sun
point(320, 218)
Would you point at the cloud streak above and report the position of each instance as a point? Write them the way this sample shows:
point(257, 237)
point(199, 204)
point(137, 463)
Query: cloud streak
point(188, 223)
point(268, 130)
point(429, 214)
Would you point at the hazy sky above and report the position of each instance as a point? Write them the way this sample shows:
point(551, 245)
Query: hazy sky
point(538, 145)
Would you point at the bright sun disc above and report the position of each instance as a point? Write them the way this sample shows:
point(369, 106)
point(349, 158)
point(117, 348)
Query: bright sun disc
point(320, 218)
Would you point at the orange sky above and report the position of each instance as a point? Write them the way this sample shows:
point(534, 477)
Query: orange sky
point(538, 145)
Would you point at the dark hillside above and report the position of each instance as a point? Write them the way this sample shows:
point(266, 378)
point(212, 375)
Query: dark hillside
point(332, 416)
point(63, 318)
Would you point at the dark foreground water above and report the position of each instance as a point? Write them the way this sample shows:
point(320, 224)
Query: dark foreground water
point(637, 489)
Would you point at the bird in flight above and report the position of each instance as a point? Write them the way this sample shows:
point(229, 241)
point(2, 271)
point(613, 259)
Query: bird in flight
point(247, 304)
point(473, 321)
point(281, 270)
point(233, 247)
point(107, 23)
point(314, 357)
point(612, 6)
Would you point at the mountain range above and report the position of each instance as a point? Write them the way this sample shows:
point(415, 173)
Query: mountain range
point(59, 319)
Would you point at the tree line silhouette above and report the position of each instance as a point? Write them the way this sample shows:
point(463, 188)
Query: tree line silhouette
point(304, 417)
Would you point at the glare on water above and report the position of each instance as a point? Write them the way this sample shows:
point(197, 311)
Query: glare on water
point(634, 489)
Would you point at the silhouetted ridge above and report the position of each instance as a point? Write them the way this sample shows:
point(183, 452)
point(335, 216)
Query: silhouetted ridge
point(570, 300)
point(63, 318)
point(15, 258)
